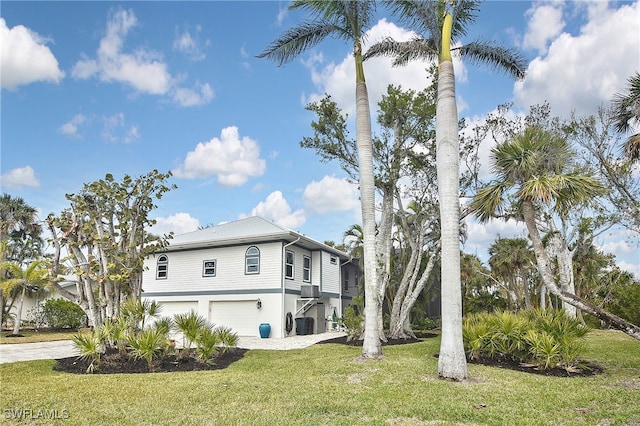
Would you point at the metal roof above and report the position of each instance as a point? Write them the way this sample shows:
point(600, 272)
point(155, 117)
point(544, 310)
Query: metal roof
point(250, 230)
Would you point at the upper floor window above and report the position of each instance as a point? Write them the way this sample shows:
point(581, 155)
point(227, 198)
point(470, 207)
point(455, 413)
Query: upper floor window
point(162, 267)
point(209, 268)
point(252, 261)
point(345, 280)
point(288, 264)
point(306, 269)
point(333, 260)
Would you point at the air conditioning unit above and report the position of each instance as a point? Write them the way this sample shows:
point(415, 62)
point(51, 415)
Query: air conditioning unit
point(309, 291)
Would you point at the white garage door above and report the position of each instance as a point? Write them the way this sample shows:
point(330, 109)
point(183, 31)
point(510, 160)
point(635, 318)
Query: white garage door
point(240, 316)
point(169, 309)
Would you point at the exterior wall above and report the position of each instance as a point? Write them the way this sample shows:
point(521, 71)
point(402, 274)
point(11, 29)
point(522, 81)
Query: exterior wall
point(185, 271)
point(330, 274)
point(351, 276)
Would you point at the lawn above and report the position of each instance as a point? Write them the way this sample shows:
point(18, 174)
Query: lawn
point(330, 385)
point(31, 336)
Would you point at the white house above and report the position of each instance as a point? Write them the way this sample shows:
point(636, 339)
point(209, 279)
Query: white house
point(249, 272)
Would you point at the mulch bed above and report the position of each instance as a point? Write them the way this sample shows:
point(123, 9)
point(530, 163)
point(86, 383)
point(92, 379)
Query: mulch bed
point(113, 363)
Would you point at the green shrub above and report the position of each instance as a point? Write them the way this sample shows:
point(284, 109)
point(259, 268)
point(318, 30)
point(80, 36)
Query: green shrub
point(546, 338)
point(352, 321)
point(62, 313)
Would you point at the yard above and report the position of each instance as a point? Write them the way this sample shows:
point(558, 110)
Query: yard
point(329, 384)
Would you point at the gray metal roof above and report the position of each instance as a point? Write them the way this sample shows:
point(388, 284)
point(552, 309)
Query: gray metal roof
point(250, 230)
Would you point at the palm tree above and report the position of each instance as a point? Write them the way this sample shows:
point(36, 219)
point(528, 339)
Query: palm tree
point(533, 167)
point(511, 259)
point(625, 109)
point(345, 20)
point(30, 279)
point(441, 23)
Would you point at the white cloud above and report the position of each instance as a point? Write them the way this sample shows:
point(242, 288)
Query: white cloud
point(190, 44)
point(581, 72)
point(24, 58)
point(338, 80)
point(545, 23)
point(115, 130)
point(481, 235)
point(179, 223)
point(17, 178)
point(233, 159)
point(192, 97)
point(330, 195)
point(141, 69)
point(70, 128)
point(634, 268)
point(276, 208)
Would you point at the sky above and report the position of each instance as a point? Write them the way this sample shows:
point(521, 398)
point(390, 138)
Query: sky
point(90, 88)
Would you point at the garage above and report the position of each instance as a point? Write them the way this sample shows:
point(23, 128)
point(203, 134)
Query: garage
point(240, 316)
point(169, 309)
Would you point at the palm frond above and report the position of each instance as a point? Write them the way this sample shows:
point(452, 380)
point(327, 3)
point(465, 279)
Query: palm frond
point(489, 201)
point(496, 57)
point(297, 40)
point(404, 51)
point(627, 106)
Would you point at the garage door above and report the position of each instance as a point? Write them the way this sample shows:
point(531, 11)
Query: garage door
point(240, 316)
point(169, 309)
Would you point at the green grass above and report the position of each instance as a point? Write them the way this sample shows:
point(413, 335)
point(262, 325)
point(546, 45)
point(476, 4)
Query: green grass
point(331, 385)
point(31, 336)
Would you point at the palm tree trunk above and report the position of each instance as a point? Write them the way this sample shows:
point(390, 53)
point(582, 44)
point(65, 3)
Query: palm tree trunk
point(547, 277)
point(18, 318)
point(452, 363)
point(371, 346)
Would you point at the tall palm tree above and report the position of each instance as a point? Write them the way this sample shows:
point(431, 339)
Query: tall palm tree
point(345, 20)
point(440, 23)
point(30, 279)
point(626, 108)
point(534, 168)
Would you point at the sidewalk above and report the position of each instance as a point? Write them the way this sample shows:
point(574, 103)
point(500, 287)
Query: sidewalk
point(65, 348)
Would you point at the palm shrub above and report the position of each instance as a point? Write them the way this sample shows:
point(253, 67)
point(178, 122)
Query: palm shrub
point(546, 338)
point(189, 325)
point(228, 339)
point(137, 311)
point(148, 344)
point(207, 343)
point(91, 348)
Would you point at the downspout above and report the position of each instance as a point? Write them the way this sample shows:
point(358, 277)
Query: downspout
point(282, 273)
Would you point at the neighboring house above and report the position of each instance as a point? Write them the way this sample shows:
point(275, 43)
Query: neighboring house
point(245, 273)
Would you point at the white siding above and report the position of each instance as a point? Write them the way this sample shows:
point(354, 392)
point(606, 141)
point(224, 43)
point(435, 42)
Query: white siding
point(330, 274)
point(185, 270)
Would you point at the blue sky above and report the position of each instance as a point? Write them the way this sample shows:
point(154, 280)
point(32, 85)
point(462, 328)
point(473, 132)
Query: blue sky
point(90, 88)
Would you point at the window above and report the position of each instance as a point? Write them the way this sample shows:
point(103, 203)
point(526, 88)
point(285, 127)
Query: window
point(288, 264)
point(162, 267)
point(252, 261)
point(333, 260)
point(209, 268)
point(345, 280)
point(306, 269)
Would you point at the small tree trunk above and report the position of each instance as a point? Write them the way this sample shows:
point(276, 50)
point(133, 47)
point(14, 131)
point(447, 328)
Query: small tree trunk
point(18, 319)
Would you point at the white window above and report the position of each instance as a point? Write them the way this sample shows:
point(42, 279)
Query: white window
point(162, 267)
point(288, 264)
point(306, 269)
point(209, 268)
point(252, 261)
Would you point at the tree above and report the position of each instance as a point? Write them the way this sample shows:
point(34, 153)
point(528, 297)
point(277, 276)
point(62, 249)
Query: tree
point(442, 23)
point(20, 240)
point(533, 168)
point(30, 279)
point(511, 261)
point(626, 108)
point(104, 236)
point(345, 20)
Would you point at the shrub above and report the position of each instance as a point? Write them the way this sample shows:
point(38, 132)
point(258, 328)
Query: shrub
point(91, 348)
point(352, 322)
point(148, 345)
point(61, 313)
point(547, 338)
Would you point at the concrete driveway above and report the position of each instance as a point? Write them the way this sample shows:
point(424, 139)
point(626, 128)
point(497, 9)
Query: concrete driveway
point(64, 348)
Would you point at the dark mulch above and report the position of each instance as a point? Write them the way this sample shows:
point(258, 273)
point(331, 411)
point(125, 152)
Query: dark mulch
point(581, 369)
point(390, 342)
point(113, 363)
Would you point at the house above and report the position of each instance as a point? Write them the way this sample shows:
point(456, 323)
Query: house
point(249, 272)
